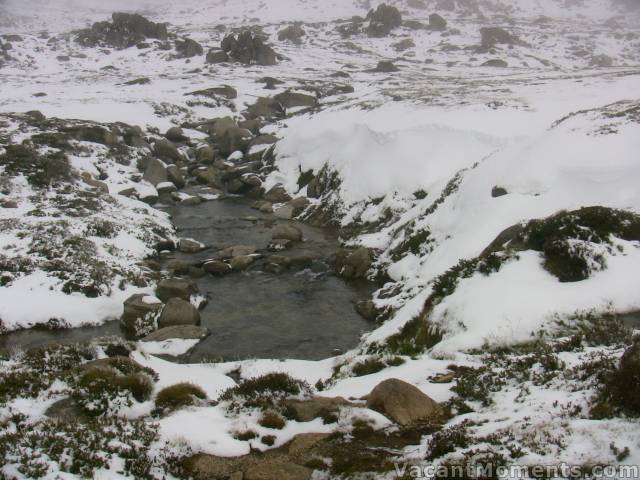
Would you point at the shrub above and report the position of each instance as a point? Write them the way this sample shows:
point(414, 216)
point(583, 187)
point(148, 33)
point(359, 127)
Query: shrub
point(272, 420)
point(368, 367)
point(264, 392)
point(179, 396)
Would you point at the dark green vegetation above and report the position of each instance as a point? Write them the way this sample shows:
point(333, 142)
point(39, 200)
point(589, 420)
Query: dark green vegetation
point(265, 392)
point(41, 170)
point(179, 396)
point(374, 365)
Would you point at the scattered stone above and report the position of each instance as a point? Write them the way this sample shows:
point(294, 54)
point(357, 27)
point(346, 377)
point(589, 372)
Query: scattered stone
point(309, 410)
point(175, 176)
point(367, 309)
point(164, 148)
point(138, 81)
point(385, 66)
point(216, 267)
point(403, 45)
point(175, 288)
point(189, 245)
point(176, 134)
point(235, 251)
point(217, 56)
point(286, 232)
point(498, 192)
point(124, 31)
point(242, 262)
point(490, 36)
point(140, 308)
point(225, 91)
point(9, 204)
point(185, 332)
point(403, 403)
point(436, 22)
point(205, 154)
point(277, 195)
point(382, 20)
point(156, 172)
point(496, 62)
point(188, 48)
point(293, 99)
point(248, 48)
point(292, 33)
point(178, 312)
point(97, 184)
point(352, 263)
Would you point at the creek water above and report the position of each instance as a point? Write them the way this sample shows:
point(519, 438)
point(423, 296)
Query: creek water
point(302, 314)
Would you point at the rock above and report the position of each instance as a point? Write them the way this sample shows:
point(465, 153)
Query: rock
point(178, 312)
point(205, 154)
point(304, 442)
point(9, 204)
point(140, 308)
point(265, 107)
point(190, 201)
point(165, 188)
point(235, 251)
point(263, 206)
point(185, 332)
point(217, 56)
point(163, 148)
point(352, 264)
point(293, 99)
point(436, 22)
point(490, 36)
point(601, 61)
point(367, 310)
point(89, 180)
point(67, 411)
point(189, 245)
point(216, 267)
point(138, 81)
point(242, 262)
point(498, 192)
point(285, 212)
point(91, 133)
point(175, 176)
point(234, 139)
point(286, 232)
point(277, 195)
point(178, 267)
point(292, 33)
point(175, 134)
point(125, 30)
point(308, 410)
point(188, 48)
point(496, 62)
point(225, 91)
point(175, 288)
point(299, 205)
point(403, 403)
point(417, 4)
point(248, 48)
point(279, 244)
point(277, 470)
point(382, 20)
point(208, 176)
point(403, 45)
point(385, 66)
point(155, 172)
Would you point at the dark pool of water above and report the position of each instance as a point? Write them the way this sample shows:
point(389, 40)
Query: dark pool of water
point(297, 314)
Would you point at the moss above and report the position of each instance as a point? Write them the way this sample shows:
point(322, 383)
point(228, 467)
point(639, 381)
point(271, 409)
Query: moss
point(179, 396)
point(272, 420)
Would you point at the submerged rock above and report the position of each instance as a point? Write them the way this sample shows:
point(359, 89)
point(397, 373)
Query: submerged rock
point(287, 232)
point(176, 288)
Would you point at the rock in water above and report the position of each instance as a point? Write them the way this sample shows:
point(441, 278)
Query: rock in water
point(184, 332)
point(403, 403)
point(287, 232)
point(382, 20)
point(178, 312)
point(140, 309)
point(176, 288)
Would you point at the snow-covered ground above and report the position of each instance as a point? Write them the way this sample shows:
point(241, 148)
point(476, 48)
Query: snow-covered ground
point(444, 150)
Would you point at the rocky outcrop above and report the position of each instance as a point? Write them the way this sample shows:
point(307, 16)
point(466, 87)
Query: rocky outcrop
point(382, 20)
point(124, 31)
point(292, 33)
point(404, 403)
point(248, 48)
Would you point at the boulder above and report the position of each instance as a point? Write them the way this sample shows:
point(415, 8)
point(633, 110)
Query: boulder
point(403, 403)
point(277, 194)
point(248, 48)
point(403, 45)
point(234, 139)
point(189, 245)
point(382, 20)
point(308, 410)
point(490, 36)
point(242, 262)
point(188, 48)
point(140, 308)
point(601, 61)
point(436, 22)
point(225, 91)
point(155, 172)
point(286, 232)
point(124, 31)
point(385, 66)
point(175, 176)
point(284, 212)
point(178, 312)
point(496, 63)
point(165, 188)
point(205, 154)
point(217, 56)
point(175, 288)
point(89, 180)
point(163, 148)
point(216, 267)
point(292, 33)
point(293, 99)
point(352, 263)
point(175, 134)
point(185, 332)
